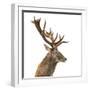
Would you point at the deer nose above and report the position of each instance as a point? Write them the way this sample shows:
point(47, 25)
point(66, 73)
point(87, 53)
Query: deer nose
point(65, 59)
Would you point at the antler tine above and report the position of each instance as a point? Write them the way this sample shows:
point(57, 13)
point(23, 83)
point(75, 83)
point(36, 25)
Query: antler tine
point(36, 21)
point(48, 34)
point(62, 38)
point(50, 31)
point(33, 20)
point(51, 35)
point(44, 25)
point(55, 37)
point(59, 36)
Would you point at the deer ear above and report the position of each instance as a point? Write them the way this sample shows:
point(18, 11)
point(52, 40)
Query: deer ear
point(47, 48)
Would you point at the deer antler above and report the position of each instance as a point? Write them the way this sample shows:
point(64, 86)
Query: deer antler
point(49, 34)
point(42, 32)
point(60, 41)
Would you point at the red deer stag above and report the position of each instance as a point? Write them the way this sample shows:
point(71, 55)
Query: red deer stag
point(47, 66)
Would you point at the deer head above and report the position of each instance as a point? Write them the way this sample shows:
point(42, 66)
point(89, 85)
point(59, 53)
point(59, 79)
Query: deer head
point(49, 38)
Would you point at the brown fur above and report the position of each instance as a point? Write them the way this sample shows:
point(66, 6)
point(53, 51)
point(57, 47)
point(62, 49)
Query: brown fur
point(47, 66)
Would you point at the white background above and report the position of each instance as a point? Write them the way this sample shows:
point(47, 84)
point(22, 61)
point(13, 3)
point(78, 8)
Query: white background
point(5, 42)
point(34, 51)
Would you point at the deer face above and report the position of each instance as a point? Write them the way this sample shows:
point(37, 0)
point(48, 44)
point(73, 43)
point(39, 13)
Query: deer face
point(58, 56)
point(55, 54)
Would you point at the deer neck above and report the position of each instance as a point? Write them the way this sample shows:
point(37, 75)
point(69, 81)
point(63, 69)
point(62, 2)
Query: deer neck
point(50, 62)
point(50, 58)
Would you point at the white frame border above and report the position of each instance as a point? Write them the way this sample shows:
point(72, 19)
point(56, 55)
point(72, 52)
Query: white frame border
point(16, 40)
